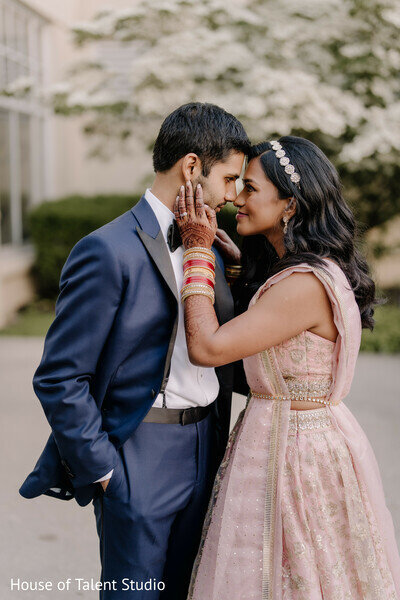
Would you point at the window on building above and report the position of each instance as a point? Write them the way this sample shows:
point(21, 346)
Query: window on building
point(22, 120)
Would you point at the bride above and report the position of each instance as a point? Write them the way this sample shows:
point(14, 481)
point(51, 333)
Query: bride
point(297, 510)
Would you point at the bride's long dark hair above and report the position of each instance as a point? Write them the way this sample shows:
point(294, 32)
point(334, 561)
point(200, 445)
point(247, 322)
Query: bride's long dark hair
point(322, 227)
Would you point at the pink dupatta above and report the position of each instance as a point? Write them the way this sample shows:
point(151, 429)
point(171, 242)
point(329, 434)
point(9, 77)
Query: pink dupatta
point(347, 320)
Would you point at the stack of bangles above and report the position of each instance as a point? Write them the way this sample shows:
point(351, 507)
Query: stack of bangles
point(198, 273)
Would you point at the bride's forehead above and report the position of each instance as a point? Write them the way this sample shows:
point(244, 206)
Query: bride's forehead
point(254, 170)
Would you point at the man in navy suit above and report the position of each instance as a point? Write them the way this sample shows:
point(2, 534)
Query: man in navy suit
point(136, 428)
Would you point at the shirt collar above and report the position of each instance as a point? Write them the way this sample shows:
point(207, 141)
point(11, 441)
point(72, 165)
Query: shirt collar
point(162, 212)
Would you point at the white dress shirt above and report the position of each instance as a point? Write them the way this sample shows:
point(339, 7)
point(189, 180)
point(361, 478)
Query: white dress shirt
point(187, 384)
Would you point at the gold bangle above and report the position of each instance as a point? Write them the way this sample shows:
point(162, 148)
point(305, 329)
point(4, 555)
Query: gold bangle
point(197, 254)
point(200, 270)
point(193, 287)
point(236, 268)
point(232, 276)
point(198, 293)
point(199, 257)
point(190, 286)
point(199, 249)
point(187, 289)
point(186, 293)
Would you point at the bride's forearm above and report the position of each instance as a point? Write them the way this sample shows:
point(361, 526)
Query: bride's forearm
point(201, 324)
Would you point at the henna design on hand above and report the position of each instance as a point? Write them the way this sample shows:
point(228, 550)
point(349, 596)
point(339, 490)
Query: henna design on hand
point(197, 222)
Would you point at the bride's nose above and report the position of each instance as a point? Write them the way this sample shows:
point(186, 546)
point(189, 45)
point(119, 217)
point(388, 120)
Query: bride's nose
point(240, 201)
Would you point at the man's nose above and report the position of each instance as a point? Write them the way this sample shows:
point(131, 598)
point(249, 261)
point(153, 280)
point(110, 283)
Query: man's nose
point(230, 196)
point(231, 192)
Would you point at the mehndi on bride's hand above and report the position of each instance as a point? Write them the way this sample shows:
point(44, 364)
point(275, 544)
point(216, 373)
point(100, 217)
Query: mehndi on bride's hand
point(197, 222)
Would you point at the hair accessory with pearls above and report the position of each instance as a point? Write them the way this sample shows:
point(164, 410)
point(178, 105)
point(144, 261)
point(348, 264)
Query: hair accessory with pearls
point(285, 162)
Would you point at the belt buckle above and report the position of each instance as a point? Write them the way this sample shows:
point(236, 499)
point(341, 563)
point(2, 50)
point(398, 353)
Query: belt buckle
point(183, 417)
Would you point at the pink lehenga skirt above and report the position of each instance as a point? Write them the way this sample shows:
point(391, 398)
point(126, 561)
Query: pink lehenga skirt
point(331, 546)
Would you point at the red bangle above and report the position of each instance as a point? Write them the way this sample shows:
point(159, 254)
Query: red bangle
point(198, 280)
point(199, 263)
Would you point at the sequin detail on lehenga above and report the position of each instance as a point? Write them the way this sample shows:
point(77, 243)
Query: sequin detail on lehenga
point(331, 547)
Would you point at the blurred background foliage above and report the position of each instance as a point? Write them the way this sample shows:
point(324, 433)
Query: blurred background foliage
point(328, 71)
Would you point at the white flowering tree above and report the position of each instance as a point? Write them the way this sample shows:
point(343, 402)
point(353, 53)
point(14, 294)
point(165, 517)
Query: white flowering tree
point(325, 69)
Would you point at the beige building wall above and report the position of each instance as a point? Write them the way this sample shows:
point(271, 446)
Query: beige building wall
point(69, 169)
point(62, 151)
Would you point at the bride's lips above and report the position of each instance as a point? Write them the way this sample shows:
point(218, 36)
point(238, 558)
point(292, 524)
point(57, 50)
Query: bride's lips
point(240, 215)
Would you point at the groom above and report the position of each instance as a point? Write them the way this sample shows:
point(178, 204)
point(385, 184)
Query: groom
point(136, 428)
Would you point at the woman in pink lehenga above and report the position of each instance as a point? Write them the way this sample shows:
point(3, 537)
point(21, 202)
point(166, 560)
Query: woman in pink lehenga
point(298, 510)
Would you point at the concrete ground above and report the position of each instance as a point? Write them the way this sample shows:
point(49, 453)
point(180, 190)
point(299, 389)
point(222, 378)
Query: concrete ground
point(45, 539)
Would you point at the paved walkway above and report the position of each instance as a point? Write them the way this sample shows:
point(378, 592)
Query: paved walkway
point(50, 540)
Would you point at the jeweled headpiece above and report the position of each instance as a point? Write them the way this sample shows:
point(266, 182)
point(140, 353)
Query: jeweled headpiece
point(285, 162)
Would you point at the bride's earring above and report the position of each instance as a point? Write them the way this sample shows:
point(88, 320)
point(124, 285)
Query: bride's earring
point(286, 221)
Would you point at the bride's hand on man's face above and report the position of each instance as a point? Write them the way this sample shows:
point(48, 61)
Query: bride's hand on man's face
point(197, 222)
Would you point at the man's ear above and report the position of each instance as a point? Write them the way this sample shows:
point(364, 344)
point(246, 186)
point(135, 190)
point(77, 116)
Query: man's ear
point(191, 166)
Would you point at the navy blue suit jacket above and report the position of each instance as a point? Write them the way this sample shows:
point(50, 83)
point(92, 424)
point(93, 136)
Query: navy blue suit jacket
point(106, 353)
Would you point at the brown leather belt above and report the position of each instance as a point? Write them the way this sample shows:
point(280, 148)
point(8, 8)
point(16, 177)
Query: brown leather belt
point(182, 416)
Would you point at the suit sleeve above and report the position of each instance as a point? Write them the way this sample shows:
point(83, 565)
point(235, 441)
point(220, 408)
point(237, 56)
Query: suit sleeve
point(90, 291)
point(107, 476)
point(240, 385)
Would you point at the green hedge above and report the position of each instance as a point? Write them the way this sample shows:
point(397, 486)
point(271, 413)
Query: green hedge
point(227, 220)
point(56, 226)
point(386, 334)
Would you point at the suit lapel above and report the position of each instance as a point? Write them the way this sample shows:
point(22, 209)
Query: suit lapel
point(151, 235)
point(158, 251)
point(153, 240)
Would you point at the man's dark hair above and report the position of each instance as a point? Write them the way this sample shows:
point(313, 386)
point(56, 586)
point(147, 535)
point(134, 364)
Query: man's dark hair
point(205, 129)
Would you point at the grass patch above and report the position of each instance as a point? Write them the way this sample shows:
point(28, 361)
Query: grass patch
point(386, 334)
point(32, 320)
point(36, 318)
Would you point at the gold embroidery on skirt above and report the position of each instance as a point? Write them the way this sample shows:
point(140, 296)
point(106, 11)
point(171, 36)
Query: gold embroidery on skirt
point(213, 498)
point(272, 480)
